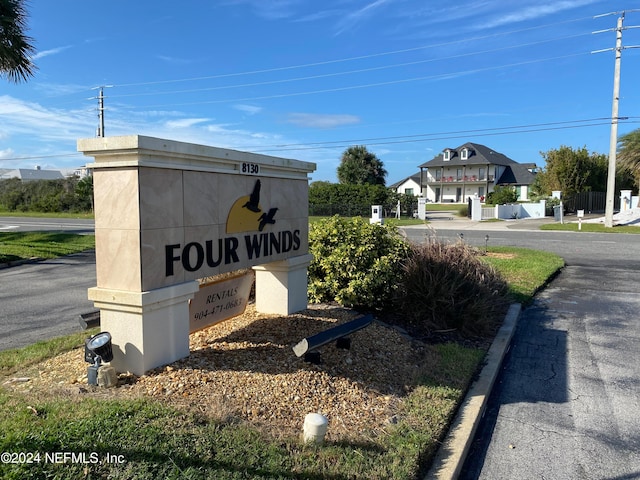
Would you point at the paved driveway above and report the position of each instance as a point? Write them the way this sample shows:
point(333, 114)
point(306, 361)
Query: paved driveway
point(42, 300)
point(567, 403)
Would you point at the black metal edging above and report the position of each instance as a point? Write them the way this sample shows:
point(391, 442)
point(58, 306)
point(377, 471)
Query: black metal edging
point(309, 344)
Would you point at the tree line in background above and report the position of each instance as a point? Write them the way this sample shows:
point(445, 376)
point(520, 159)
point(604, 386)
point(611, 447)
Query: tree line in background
point(72, 195)
point(362, 178)
point(573, 171)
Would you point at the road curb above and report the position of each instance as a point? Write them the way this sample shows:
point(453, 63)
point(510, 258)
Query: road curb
point(17, 263)
point(453, 451)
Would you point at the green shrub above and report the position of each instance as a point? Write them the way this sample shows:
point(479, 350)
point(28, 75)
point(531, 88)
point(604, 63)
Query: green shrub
point(549, 204)
point(463, 211)
point(355, 263)
point(447, 287)
point(502, 196)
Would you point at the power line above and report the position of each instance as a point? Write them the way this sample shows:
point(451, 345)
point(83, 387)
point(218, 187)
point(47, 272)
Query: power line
point(369, 85)
point(445, 137)
point(349, 72)
point(509, 130)
point(350, 59)
point(511, 127)
point(37, 157)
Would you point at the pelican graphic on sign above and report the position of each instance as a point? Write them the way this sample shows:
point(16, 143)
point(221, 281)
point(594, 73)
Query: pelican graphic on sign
point(267, 218)
point(247, 214)
point(254, 198)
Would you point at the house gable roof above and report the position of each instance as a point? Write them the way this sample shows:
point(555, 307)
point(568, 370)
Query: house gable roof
point(478, 155)
point(26, 174)
point(415, 177)
point(516, 174)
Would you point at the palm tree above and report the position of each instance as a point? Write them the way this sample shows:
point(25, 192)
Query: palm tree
point(629, 153)
point(16, 49)
point(360, 167)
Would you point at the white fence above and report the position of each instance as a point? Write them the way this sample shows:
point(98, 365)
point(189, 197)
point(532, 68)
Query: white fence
point(489, 213)
point(515, 211)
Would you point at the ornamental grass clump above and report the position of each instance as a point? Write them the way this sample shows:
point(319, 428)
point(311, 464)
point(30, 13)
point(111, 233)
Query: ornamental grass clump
point(355, 263)
point(447, 287)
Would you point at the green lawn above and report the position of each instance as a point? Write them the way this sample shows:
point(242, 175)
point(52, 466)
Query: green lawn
point(7, 213)
point(27, 245)
point(590, 228)
point(157, 441)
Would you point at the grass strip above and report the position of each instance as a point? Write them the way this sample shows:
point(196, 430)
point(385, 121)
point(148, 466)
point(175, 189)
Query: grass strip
point(27, 245)
point(590, 228)
point(526, 271)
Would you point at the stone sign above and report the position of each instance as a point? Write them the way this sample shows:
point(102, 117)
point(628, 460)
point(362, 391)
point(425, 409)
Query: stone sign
point(169, 213)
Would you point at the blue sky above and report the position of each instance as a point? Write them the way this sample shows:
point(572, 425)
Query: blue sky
point(305, 79)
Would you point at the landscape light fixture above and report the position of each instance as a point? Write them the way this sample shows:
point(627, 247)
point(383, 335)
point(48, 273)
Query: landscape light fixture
point(486, 243)
point(97, 349)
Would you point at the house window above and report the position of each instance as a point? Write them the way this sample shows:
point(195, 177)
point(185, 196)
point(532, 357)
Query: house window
point(464, 154)
point(459, 174)
point(438, 175)
point(408, 191)
point(481, 174)
point(447, 155)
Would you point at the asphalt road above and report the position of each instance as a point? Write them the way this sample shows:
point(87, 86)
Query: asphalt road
point(26, 224)
point(43, 300)
point(566, 403)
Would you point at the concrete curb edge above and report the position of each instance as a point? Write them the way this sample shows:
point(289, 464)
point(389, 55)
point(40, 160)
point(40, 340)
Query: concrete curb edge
point(453, 451)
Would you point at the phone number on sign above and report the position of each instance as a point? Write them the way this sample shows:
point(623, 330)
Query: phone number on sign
point(60, 457)
point(217, 309)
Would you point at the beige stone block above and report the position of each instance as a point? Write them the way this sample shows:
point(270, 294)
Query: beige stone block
point(289, 196)
point(201, 203)
point(230, 189)
point(161, 198)
point(116, 197)
point(118, 259)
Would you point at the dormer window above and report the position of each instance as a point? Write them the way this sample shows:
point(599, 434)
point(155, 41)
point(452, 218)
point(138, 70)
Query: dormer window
point(446, 155)
point(464, 154)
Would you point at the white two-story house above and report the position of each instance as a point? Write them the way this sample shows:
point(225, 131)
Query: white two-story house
point(470, 170)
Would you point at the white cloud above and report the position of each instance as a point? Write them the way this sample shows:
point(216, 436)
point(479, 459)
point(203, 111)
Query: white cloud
point(174, 60)
point(249, 109)
point(315, 120)
point(7, 153)
point(352, 19)
point(185, 122)
point(321, 15)
point(52, 51)
point(535, 11)
point(18, 117)
point(271, 10)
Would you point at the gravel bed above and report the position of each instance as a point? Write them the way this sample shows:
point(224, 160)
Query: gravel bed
point(244, 369)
